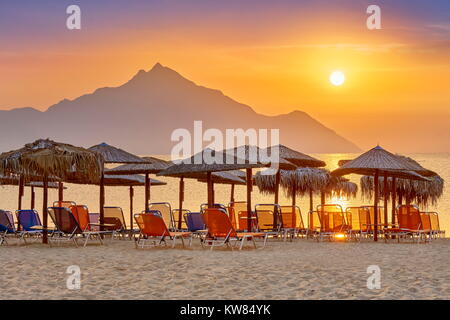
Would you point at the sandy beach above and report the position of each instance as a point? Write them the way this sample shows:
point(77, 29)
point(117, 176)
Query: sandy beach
point(297, 270)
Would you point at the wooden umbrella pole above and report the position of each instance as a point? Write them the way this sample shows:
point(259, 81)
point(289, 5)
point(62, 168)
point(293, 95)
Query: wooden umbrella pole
point(208, 182)
point(44, 210)
point(60, 192)
point(394, 198)
point(213, 194)
point(249, 198)
point(277, 186)
point(386, 193)
point(32, 205)
point(375, 207)
point(131, 207)
point(102, 201)
point(294, 191)
point(232, 193)
point(147, 192)
point(311, 201)
point(181, 199)
point(21, 187)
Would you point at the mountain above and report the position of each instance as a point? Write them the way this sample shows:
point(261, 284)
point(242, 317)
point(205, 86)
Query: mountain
point(141, 114)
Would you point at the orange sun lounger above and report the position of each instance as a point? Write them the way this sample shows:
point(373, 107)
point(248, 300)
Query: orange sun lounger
point(153, 229)
point(221, 231)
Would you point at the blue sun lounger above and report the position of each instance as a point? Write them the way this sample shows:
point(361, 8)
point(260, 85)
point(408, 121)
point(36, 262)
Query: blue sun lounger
point(6, 225)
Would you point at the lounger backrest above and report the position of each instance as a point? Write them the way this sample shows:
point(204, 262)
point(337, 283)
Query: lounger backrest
point(372, 214)
point(352, 214)
point(235, 208)
point(64, 220)
point(425, 221)
point(232, 215)
point(204, 206)
point(434, 219)
point(218, 224)
point(66, 204)
point(94, 218)
point(151, 224)
point(176, 216)
point(364, 219)
point(114, 215)
point(291, 217)
point(331, 217)
point(265, 220)
point(276, 214)
point(6, 222)
point(409, 217)
point(81, 214)
point(243, 221)
point(166, 213)
point(194, 221)
point(28, 219)
point(314, 220)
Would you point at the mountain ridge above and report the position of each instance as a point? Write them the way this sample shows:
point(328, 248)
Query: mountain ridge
point(140, 115)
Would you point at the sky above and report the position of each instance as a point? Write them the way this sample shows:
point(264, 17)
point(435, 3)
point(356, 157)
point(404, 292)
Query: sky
point(275, 56)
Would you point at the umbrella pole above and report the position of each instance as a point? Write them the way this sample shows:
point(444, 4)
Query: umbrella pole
point(60, 192)
point(277, 186)
point(311, 201)
point(394, 198)
point(102, 201)
point(232, 193)
point(181, 199)
point(249, 198)
point(147, 192)
point(294, 191)
point(213, 193)
point(386, 193)
point(32, 198)
point(131, 208)
point(44, 210)
point(208, 182)
point(21, 187)
point(375, 207)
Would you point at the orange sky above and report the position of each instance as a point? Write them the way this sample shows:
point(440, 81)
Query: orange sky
point(398, 78)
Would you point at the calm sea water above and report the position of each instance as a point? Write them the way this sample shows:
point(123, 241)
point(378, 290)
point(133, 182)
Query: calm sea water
point(195, 192)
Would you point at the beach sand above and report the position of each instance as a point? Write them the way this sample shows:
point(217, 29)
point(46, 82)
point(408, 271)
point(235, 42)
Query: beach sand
point(283, 270)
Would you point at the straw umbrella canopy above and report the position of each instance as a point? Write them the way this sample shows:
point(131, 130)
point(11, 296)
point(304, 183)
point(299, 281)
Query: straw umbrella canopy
point(376, 162)
point(422, 192)
point(151, 166)
point(297, 158)
point(112, 154)
point(48, 158)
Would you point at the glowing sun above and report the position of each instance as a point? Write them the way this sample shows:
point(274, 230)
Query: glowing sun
point(337, 78)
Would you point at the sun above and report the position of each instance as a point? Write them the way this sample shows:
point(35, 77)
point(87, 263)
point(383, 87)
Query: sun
point(337, 78)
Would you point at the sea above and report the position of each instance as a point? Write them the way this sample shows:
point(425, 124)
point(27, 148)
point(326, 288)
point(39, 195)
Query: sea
point(196, 192)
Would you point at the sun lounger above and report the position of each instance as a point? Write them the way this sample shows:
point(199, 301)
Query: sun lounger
point(7, 226)
point(234, 208)
point(69, 228)
point(222, 233)
point(194, 223)
point(435, 228)
point(292, 221)
point(30, 224)
point(113, 216)
point(313, 225)
point(409, 225)
point(358, 218)
point(90, 228)
point(165, 210)
point(66, 204)
point(333, 223)
point(268, 219)
point(176, 215)
point(153, 229)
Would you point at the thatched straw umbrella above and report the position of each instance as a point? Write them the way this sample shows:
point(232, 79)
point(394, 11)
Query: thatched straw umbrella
point(422, 192)
point(297, 158)
point(151, 166)
point(376, 162)
point(209, 161)
point(113, 155)
point(48, 158)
